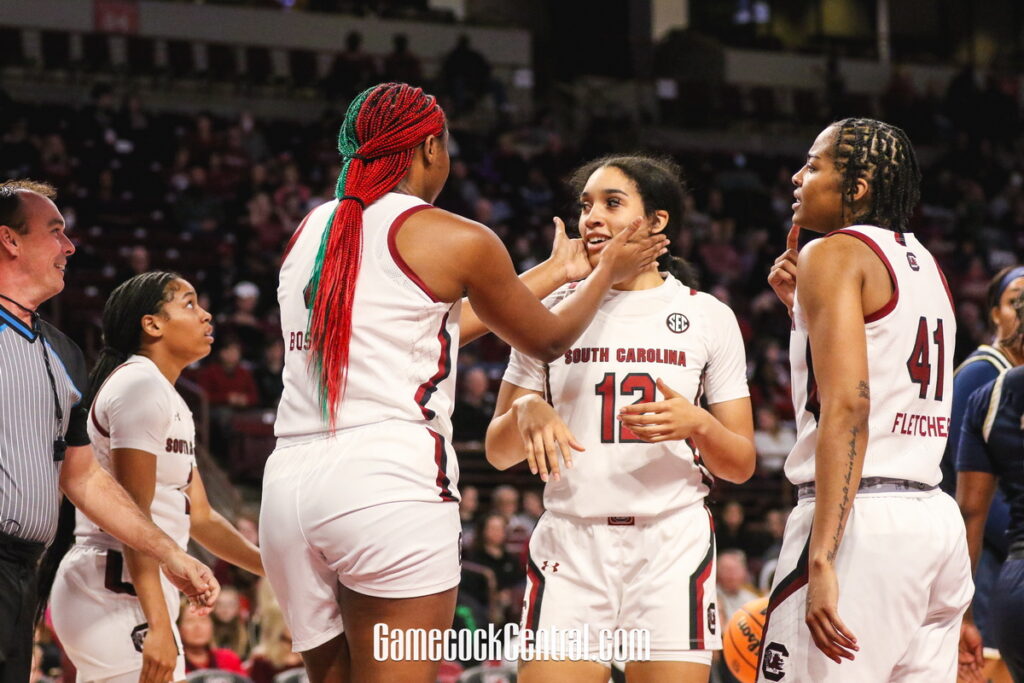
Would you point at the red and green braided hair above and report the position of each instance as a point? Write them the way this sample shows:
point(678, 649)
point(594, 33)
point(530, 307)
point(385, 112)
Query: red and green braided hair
point(383, 126)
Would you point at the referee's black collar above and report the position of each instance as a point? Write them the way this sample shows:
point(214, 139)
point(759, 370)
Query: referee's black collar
point(8, 319)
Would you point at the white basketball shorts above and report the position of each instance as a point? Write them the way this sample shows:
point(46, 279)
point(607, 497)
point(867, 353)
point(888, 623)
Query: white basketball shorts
point(627, 573)
point(904, 585)
point(374, 508)
point(97, 617)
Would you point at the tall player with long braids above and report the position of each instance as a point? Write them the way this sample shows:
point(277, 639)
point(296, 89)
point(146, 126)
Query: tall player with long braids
point(626, 542)
point(874, 577)
point(360, 521)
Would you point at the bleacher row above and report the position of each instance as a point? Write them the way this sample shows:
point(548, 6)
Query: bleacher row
point(67, 54)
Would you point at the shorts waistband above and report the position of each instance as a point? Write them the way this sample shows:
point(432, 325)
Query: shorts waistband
point(872, 485)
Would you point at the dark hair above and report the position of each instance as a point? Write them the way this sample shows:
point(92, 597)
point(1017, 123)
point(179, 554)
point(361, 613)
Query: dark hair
point(143, 294)
point(993, 294)
point(660, 183)
point(11, 213)
point(882, 155)
point(383, 127)
point(481, 527)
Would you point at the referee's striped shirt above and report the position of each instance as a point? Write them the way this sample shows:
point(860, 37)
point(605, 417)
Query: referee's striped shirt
point(29, 477)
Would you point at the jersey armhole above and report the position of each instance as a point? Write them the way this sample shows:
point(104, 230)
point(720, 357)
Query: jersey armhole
point(396, 225)
point(894, 298)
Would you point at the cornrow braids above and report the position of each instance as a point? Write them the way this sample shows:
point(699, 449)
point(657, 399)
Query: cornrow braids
point(882, 155)
point(382, 128)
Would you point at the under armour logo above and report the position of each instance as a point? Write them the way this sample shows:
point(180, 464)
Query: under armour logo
point(554, 566)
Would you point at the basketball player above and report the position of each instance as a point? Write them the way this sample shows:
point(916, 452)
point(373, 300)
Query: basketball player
point(626, 541)
point(112, 609)
point(873, 577)
point(360, 522)
point(990, 451)
point(984, 364)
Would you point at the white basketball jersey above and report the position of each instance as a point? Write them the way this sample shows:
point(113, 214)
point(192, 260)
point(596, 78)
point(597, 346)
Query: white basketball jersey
point(138, 408)
point(910, 368)
point(404, 340)
point(688, 339)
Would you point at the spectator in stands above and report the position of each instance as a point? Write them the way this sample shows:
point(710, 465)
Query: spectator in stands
point(731, 529)
point(473, 408)
point(401, 65)
point(469, 506)
point(244, 322)
point(197, 641)
point(352, 70)
point(466, 75)
point(268, 374)
point(230, 630)
point(274, 653)
point(226, 381)
point(772, 439)
point(734, 589)
point(775, 523)
point(489, 550)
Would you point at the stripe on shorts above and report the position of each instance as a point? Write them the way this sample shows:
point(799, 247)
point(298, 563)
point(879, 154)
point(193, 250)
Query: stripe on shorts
point(536, 595)
point(698, 579)
point(441, 459)
point(790, 584)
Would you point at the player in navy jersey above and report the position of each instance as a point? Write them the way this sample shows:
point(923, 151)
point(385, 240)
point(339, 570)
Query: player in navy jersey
point(991, 452)
point(626, 541)
point(873, 577)
point(982, 366)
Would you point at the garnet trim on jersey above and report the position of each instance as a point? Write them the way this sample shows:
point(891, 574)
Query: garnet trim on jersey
point(441, 459)
point(697, 581)
point(813, 402)
point(790, 584)
point(535, 596)
point(444, 368)
point(112, 575)
point(393, 248)
point(894, 299)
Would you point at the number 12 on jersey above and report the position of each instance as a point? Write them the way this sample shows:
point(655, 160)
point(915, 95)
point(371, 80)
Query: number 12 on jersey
point(631, 385)
point(919, 364)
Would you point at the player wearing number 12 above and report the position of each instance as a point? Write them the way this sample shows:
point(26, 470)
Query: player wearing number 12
point(626, 541)
point(874, 567)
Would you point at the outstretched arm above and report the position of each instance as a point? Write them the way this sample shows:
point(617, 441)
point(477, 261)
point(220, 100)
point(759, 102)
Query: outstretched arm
point(567, 263)
point(830, 295)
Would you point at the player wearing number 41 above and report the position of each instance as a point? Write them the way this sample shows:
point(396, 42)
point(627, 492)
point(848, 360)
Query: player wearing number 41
point(873, 578)
point(626, 541)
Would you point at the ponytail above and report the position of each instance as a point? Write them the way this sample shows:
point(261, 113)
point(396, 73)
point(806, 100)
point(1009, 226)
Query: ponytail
point(382, 128)
point(680, 269)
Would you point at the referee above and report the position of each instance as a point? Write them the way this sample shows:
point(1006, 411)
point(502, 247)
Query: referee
point(44, 446)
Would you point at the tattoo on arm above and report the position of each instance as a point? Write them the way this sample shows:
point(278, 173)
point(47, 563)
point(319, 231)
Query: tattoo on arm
point(863, 391)
point(845, 502)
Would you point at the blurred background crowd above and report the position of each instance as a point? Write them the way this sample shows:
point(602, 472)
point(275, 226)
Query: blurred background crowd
point(146, 181)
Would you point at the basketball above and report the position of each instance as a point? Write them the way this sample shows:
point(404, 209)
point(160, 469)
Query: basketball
point(742, 642)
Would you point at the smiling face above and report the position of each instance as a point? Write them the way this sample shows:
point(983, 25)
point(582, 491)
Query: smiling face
point(43, 248)
point(819, 201)
point(182, 325)
point(609, 203)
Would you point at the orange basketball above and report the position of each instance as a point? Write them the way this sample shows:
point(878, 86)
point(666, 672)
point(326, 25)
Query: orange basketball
point(742, 641)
